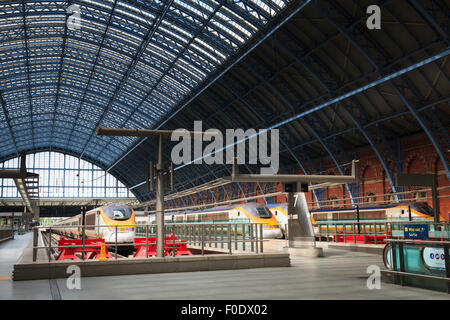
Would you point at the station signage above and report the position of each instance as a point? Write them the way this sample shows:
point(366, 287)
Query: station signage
point(434, 258)
point(415, 231)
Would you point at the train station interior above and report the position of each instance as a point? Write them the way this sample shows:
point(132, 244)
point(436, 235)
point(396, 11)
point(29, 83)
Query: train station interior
point(224, 150)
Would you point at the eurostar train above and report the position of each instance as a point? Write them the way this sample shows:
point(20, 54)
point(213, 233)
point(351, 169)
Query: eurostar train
point(392, 212)
point(249, 212)
point(279, 211)
point(109, 216)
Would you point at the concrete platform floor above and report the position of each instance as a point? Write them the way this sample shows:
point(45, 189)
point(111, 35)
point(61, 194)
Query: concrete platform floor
point(338, 275)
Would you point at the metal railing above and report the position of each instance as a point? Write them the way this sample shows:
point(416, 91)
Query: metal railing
point(240, 236)
point(390, 229)
point(6, 234)
point(377, 199)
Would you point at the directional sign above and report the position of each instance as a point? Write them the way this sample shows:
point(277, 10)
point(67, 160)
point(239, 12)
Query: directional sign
point(415, 231)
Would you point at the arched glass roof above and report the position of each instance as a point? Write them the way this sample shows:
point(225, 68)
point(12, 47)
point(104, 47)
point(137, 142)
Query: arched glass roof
point(128, 65)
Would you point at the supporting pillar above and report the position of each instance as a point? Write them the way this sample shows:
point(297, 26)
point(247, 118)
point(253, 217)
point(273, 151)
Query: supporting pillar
point(12, 225)
point(290, 201)
point(434, 196)
point(160, 200)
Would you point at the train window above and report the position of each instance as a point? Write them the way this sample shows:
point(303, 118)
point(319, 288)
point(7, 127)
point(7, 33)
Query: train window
point(90, 221)
point(423, 207)
point(263, 213)
point(118, 213)
point(239, 213)
point(276, 213)
point(403, 211)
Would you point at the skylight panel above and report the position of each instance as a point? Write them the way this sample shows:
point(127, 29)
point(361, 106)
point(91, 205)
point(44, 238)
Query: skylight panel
point(210, 48)
point(279, 3)
point(205, 5)
point(240, 20)
point(153, 49)
point(177, 29)
point(252, 12)
point(194, 72)
point(124, 36)
point(263, 6)
point(235, 25)
point(133, 16)
point(135, 13)
point(206, 53)
point(173, 34)
point(192, 9)
point(228, 31)
point(100, 4)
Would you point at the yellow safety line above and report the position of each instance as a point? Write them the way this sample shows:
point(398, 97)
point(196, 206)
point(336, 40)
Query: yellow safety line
point(4, 278)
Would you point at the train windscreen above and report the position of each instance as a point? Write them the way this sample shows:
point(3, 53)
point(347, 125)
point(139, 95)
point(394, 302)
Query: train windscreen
point(424, 208)
point(117, 213)
point(263, 213)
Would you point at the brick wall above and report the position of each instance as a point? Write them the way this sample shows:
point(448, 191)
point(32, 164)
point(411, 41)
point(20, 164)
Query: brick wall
point(417, 156)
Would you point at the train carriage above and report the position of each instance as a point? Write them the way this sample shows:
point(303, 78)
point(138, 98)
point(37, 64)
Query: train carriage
point(242, 213)
point(420, 211)
point(113, 222)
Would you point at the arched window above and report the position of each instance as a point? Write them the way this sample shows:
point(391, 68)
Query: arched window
point(420, 196)
point(65, 176)
point(390, 196)
point(372, 198)
point(333, 202)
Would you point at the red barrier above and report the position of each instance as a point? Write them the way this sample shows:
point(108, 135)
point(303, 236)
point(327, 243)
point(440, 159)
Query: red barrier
point(141, 244)
point(72, 246)
point(350, 238)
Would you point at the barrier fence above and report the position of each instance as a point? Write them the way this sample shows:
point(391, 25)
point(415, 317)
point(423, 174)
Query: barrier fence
point(6, 232)
point(375, 232)
point(201, 236)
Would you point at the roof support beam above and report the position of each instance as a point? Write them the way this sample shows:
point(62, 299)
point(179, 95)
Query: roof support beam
point(374, 147)
point(419, 119)
point(92, 72)
point(8, 122)
point(430, 21)
point(213, 78)
point(148, 37)
point(27, 63)
point(58, 86)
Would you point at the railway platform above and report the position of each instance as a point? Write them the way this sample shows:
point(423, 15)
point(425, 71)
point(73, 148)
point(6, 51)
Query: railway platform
point(340, 274)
